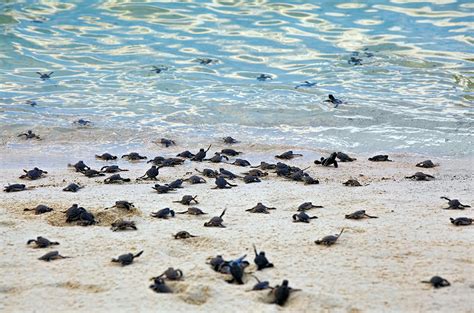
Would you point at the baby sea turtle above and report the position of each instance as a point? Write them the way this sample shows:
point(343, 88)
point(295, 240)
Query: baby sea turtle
point(216, 221)
point(230, 152)
point(42, 242)
point(167, 142)
point(124, 205)
point(45, 76)
point(261, 260)
point(53, 255)
point(217, 158)
point(40, 209)
point(112, 169)
point(121, 224)
point(73, 187)
point(380, 158)
point(195, 180)
point(176, 184)
point(333, 100)
point(116, 178)
point(420, 176)
point(187, 199)
point(265, 166)
point(192, 211)
point(30, 135)
point(127, 259)
point(256, 172)
point(133, 156)
point(183, 235)
point(260, 208)
point(241, 162)
point(329, 240)
point(79, 214)
point(288, 155)
point(160, 286)
point(227, 174)
point(305, 206)
point(354, 61)
point(264, 77)
point(251, 179)
point(185, 154)
point(260, 285)
point(454, 204)
point(308, 180)
point(344, 157)
point(162, 188)
point(281, 293)
point(33, 174)
point(331, 160)
point(31, 102)
point(82, 122)
point(357, 215)
point(171, 274)
point(201, 155)
point(159, 69)
point(163, 213)
point(14, 188)
point(221, 183)
point(302, 217)
point(306, 83)
point(206, 61)
point(92, 173)
point(106, 157)
point(151, 173)
point(208, 172)
point(437, 282)
point(80, 166)
point(461, 221)
point(229, 140)
point(236, 269)
point(426, 164)
point(352, 183)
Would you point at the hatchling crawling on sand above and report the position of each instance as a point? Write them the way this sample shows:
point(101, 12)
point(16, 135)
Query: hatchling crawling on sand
point(162, 188)
point(357, 215)
point(116, 178)
point(126, 259)
point(80, 166)
point(122, 204)
point(241, 162)
point(329, 240)
point(151, 173)
point(288, 155)
point(352, 183)
point(344, 157)
point(261, 260)
point(53, 255)
point(227, 174)
point(437, 282)
point(461, 221)
point(426, 164)
point(420, 176)
point(121, 224)
point(163, 213)
point(187, 199)
point(30, 135)
point(380, 158)
point(42, 242)
point(167, 142)
point(230, 152)
point(183, 235)
point(331, 160)
point(80, 215)
point(217, 158)
point(201, 155)
point(260, 208)
point(216, 221)
point(281, 293)
point(221, 183)
point(265, 166)
point(229, 140)
point(171, 274)
point(90, 173)
point(40, 209)
point(160, 286)
point(260, 285)
point(33, 174)
point(73, 187)
point(112, 169)
point(248, 179)
point(256, 172)
point(106, 157)
point(302, 217)
point(195, 180)
point(185, 154)
point(176, 184)
point(305, 206)
point(308, 180)
point(454, 204)
point(192, 211)
point(208, 172)
point(134, 156)
point(14, 188)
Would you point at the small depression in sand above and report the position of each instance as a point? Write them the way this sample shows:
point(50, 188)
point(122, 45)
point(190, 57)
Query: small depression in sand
point(102, 216)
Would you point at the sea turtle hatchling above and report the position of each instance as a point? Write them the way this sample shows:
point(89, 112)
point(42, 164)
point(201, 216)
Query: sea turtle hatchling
point(305, 206)
point(352, 183)
point(192, 211)
point(116, 178)
point(73, 187)
point(281, 293)
point(333, 100)
point(420, 176)
point(90, 173)
point(167, 142)
point(437, 282)
point(14, 188)
point(126, 259)
point(248, 179)
point(230, 152)
point(187, 199)
point(106, 157)
point(133, 156)
point(260, 208)
point(160, 286)
point(288, 155)
point(171, 274)
point(151, 173)
point(380, 158)
point(221, 183)
point(162, 188)
point(264, 77)
point(357, 215)
point(42, 242)
point(121, 224)
point(122, 204)
point(40, 209)
point(461, 221)
point(329, 240)
point(229, 140)
point(45, 76)
point(302, 217)
point(195, 180)
point(183, 235)
point(261, 260)
point(241, 162)
point(53, 255)
point(80, 166)
point(344, 157)
point(216, 221)
point(30, 135)
point(163, 213)
point(112, 169)
point(33, 174)
point(454, 204)
point(426, 164)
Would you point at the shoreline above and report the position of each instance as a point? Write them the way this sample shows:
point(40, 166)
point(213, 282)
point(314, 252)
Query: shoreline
point(377, 265)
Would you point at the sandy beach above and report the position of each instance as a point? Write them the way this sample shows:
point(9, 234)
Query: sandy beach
point(376, 266)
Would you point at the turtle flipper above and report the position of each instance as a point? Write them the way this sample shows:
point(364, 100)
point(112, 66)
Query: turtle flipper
point(138, 254)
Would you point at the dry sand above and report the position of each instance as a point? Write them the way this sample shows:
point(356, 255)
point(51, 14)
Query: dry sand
point(376, 266)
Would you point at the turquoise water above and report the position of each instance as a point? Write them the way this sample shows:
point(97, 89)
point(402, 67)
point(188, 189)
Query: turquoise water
point(412, 92)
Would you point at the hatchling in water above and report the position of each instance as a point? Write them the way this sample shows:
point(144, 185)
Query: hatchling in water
point(201, 155)
point(329, 240)
point(73, 187)
point(260, 208)
point(357, 215)
point(216, 221)
point(90, 173)
point(40, 209)
point(380, 158)
point(14, 188)
point(264, 77)
point(454, 204)
point(437, 282)
point(251, 179)
point(82, 122)
point(302, 217)
point(288, 155)
point(207, 172)
point(230, 152)
point(45, 76)
point(30, 135)
point(183, 235)
point(426, 164)
point(167, 142)
point(112, 169)
point(305, 206)
point(187, 199)
point(122, 204)
point(420, 176)
point(185, 154)
point(126, 259)
point(33, 174)
point(162, 188)
point(163, 213)
point(261, 260)
point(461, 221)
point(306, 83)
point(80, 166)
point(121, 224)
point(333, 100)
point(151, 173)
point(352, 183)
point(221, 183)
point(160, 286)
point(172, 274)
point(229, 140)
point(134, 156)
point(53, 255)
point(42, 242)
point(195, 180)
point(106, 157)
point(206, 61)
point(192, 211)
point(241, 162)
point(116, 178)
point(344, 157)
point(159, 69)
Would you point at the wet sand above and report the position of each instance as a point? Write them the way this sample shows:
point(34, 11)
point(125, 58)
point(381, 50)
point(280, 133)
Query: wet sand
point(376, 266)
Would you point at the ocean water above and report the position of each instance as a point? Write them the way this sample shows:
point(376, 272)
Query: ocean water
point(409, 87)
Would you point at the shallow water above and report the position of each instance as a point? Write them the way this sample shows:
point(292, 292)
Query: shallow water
point(412, 92)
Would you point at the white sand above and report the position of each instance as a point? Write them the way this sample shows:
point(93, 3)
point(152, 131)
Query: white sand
point(376, 266)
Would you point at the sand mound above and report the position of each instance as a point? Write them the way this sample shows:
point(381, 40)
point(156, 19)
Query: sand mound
point(102, 216)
